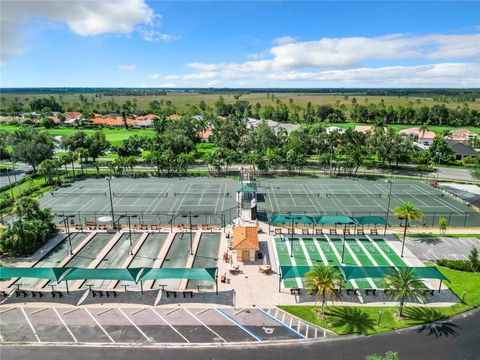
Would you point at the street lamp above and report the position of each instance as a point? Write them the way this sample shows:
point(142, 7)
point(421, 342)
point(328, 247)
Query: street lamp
point(189, 216)
point(129, 229)
point(390, 182)
point(343, 245)
point(404, 233)
point(109, 179)
point(293, 218)
point(67, 227)
point(438, 153)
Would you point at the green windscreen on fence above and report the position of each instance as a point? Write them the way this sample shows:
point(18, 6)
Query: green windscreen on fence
point(371, 220)
point(246, 187)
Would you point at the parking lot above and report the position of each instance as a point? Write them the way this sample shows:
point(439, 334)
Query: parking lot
point(437, 247)
point(150, 325)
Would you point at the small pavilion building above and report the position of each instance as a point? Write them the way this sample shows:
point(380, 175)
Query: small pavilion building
point(245, 244)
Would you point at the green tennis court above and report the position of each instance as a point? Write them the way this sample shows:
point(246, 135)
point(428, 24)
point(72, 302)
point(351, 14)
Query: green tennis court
point(359, 197)
point(363, 251)
point(159, 201)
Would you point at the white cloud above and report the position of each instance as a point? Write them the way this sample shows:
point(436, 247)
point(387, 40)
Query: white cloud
point(168, 85)
point(172, 77)
point(127, 67)
point(84, 18)
point(284, 40)
point(154, 76)
point(155, 36)
point(342, 61)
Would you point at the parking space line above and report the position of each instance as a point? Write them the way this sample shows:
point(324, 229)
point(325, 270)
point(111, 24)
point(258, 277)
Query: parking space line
point(30, 323)
point(171, 326)
point(64, 324)
point(228, 317)
point(201, 322)
point(99, 325)
point(135, 325)
point(296, 332)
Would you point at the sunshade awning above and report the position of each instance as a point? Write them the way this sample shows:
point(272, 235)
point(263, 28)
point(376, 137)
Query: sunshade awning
point(288, 219)
point(334, 220)
point(53, 274)
point(130, 274)
point(207, 274)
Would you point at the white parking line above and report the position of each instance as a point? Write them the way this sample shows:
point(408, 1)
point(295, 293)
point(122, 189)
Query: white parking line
point(135, 325)
point(30, 323)
point(201, 322)
point(64, 324)
point(100, 326)
point(171, 326)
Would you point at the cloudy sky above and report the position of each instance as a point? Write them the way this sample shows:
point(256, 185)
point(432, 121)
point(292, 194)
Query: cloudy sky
point(141, 43)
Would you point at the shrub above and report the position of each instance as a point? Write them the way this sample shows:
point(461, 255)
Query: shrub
point(460, 265)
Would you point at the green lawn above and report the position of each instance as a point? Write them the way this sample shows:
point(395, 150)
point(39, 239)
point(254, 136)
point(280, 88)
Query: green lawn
point(370, 320)
point(115, 136)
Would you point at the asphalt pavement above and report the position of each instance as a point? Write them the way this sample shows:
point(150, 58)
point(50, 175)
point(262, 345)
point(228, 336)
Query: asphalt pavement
point(457, 338)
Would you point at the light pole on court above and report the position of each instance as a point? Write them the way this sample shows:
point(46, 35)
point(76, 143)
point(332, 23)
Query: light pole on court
point(67, 228)
point(190, 216)
point(390, 182)
point(109, 179)
point(438, 153)
point(129, 228)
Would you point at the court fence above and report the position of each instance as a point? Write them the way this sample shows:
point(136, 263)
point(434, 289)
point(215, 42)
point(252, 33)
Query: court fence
point(430, 219)
point(160, 219)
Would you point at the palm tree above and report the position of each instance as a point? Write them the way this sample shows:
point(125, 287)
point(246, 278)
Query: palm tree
point(403, 284)
point(322, 281)
point(408, 212)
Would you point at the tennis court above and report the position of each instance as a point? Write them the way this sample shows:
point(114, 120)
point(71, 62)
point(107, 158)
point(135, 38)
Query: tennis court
point(153, 200)
point(359, 197)
point(359, 251)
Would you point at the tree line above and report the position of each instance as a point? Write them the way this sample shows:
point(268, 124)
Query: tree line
point(372, 113)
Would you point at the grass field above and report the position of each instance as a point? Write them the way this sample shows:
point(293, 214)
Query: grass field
point(370, 320)
point(181, 99)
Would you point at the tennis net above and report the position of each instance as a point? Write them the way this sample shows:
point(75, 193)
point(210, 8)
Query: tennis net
point(202, 194)
point(137, 194)
point(356, 195)
point(425, 195)
point(79, 194)
point(290, 194)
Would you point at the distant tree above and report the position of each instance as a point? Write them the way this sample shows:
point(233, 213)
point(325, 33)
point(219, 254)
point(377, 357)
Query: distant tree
point(442, 225)
point(473, 259)
point(32, 148)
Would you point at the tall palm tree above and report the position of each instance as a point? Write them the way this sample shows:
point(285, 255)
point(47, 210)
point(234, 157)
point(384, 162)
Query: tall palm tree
point(403, 284)
point(408, 212)
point(322, 281)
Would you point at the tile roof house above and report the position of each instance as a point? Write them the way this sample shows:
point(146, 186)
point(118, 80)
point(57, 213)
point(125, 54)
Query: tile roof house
point(366, 129)
point(72, 115)
point(461, 150)
point(245, 243)
point(460, 135)
point(146, 117)
point(423, 137)
point(112, 121)
point(175, 117)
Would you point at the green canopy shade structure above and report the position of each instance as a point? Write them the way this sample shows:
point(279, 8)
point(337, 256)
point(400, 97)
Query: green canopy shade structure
point(52, 274)
point(207, 274)
point(334, 220)
point(292, 272)
point(371, 220)
point(288, 219)
point(246, 187)
point(131, 274)
point(375, 272)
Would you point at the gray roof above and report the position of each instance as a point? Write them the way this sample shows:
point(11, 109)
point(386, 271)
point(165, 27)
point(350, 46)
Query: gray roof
point(462, 149)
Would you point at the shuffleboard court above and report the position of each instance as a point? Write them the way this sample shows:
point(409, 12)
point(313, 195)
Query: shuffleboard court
point(177, 257)
point(205, 257)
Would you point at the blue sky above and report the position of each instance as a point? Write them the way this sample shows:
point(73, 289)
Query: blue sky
point(136, 43)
